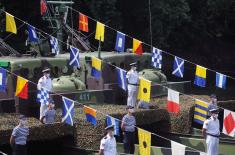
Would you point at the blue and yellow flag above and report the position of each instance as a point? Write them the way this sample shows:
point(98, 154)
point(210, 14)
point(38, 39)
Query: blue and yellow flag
point(96, 65)
point(200, 111)
point(200, 76)
point(10, 24)
point(100, 28)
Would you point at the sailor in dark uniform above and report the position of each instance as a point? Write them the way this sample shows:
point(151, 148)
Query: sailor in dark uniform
point(108, 144)
point(211, 132)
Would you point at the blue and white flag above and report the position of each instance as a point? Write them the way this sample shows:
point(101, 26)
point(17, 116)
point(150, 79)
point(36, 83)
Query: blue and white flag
point(120, 42)
point(178, 68)
point(43, 96)
point(67, 111)
point(54, 45)
point(3, 76)
point(115, 122)
point(32, 34)
point(221, 80)
point(157, 58)
point(74, 57)
point(122, 82)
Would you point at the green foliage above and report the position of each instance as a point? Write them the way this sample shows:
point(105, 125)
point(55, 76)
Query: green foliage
point(176, 23)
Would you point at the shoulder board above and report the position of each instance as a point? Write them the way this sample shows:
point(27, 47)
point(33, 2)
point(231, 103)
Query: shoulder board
point(105, 137)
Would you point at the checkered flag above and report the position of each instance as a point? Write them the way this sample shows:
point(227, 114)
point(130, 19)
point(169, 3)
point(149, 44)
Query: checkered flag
point(43, 96)
point(54, 45)
point(157, 58)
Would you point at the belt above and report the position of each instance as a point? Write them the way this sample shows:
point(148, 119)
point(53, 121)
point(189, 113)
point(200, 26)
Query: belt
point(133, 84)
point(217, 136)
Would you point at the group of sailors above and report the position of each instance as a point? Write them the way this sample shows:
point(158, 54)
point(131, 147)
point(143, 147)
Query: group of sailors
point(108, 146)
point(19, 135)
point(211, 127)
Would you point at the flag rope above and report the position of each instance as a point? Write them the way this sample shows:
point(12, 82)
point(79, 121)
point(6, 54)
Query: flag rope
point(162, 85)
point(111, 65)
point(168, 53)
point(104, 113)
point(18, 28)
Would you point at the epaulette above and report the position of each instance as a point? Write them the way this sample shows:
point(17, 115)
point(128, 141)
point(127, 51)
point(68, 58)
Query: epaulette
point(105, 137)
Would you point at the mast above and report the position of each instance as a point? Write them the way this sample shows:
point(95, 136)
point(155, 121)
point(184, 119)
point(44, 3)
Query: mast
point(57, 16)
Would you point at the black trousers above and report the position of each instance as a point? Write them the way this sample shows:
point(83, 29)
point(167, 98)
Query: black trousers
point(129, 142)
point(19, 150)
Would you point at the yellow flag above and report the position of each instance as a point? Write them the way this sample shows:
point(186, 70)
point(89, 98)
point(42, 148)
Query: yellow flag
point(99, 35)
point(144, 142)
point(144, 90)
point(10, 24)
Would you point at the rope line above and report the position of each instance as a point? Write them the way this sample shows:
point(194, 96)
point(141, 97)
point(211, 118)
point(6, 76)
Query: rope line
point(150, 45)
point(82, 104)
point(111, 65)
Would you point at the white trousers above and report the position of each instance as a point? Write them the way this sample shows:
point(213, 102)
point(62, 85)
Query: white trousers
point(43, 108)
point(132, 95)
point(212, 145)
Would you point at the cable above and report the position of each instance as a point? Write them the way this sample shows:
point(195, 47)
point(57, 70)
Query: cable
point(112, 64)
point(150, 25)
point(71, 14)
point(81, 103)
point(151, 45)
point(18, 28)
point(98, 111)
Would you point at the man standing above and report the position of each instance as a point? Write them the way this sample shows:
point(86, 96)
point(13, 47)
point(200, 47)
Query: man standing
point(45, 83)
point(128, 127)
point(49, 116)
point(19, 137)
point(211, 132)
point(212, 104)
point(108, 144)
point(133, 82)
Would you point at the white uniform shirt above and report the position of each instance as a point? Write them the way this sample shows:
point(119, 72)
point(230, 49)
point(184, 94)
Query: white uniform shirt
point(133, 77)
point(212, 126)
point(108, 144)
point(45, 83)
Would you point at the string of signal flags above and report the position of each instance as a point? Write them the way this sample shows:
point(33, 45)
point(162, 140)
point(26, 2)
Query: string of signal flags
point(172, 98)
point(201, 72)
point(201, 107)
point(157, 59)
point(68, 106)
point(90, 114)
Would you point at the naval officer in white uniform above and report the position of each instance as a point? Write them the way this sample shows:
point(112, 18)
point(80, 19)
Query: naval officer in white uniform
point(211, 132)
point(133, 82)
point(108, 145)
point(46, 83)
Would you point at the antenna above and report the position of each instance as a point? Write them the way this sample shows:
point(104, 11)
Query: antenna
point(58, 15)
point(150, 25)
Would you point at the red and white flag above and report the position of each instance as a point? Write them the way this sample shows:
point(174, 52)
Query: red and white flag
point(43, 7)
point(229, 123)
point(173, 101)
